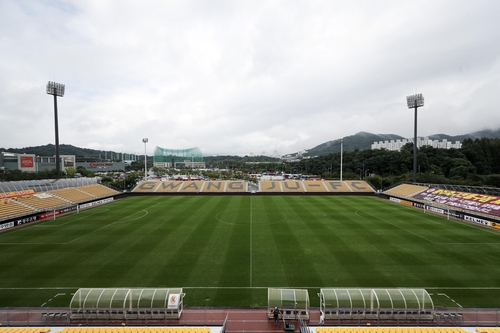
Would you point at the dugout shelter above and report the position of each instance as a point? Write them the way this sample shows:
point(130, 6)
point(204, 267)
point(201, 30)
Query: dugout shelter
point(124, 303)
point(294, 303)
point(394, 304)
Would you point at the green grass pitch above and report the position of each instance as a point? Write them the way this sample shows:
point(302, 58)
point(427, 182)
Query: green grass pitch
point(227, 250)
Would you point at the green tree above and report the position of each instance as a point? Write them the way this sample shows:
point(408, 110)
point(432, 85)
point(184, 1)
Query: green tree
point(70, 172)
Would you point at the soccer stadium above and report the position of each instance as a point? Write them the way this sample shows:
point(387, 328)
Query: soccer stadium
point(220, 255)
point(249, 166)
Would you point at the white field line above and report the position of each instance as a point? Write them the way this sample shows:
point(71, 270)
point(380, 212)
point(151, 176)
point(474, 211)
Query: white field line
point(247, 287)
point(453, 220)
point(451, 299)
point(395, 225)
point(430, 241)
point(55, 223)
point(123, 220)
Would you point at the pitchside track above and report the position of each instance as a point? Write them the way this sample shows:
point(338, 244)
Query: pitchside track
point(226, 251)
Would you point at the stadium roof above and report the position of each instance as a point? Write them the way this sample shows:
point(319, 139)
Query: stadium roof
point(42, 185)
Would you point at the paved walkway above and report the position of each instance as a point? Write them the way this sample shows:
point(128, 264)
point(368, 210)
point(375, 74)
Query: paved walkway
point(240, 320)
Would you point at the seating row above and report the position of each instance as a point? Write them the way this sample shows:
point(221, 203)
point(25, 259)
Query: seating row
point(214, 186)
point(192, 186)
point(405, 190)
point(24, 329)
point(391, 330)
point(336, 186)
point(43, 203)
point(183, 329)
point(488, 330)
point(97, 190)
point(10, 208)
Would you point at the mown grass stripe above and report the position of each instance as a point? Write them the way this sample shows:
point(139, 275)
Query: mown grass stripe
point(231, 248)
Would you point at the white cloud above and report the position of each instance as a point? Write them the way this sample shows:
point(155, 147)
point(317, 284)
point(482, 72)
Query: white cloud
point(239, 77)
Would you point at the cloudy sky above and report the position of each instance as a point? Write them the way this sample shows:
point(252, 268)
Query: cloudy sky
point(240, 77)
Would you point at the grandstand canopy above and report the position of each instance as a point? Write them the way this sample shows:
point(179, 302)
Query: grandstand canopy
point(177, 155)
point(42, 185)
point(376, 299)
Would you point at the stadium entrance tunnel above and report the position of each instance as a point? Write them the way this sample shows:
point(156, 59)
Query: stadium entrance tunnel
point(124, 303)
point(293, 303)
point(393, 304)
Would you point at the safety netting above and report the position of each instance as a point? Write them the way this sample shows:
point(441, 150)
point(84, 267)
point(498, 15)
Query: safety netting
point(177, 155)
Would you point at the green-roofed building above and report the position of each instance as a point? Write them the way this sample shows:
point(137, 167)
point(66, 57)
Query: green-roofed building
point(167, 158)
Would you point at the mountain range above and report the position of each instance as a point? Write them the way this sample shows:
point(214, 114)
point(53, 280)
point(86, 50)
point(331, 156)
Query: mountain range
point(364, 140)
point(65, 149)
point(361, 140)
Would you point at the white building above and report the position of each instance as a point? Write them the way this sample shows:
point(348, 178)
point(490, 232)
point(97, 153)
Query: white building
point(399, 143)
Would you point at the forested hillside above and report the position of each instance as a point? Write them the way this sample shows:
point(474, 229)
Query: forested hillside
point(364, 140)
point(64, 149)
point(477, 163)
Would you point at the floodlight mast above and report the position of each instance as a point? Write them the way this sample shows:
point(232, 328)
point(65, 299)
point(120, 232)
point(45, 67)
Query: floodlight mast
point(145, 140)
point(341, 152)
point(414, 102)
point(56, 89)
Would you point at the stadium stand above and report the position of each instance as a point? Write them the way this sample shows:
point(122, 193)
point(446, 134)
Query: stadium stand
point(265, 186)
point(292, 186)
point(148, 186)
point(270, 186)
point(192, 186)
point(406, 190)
point(167, 186)
point(488, 330)
point(349, 186)
point(43, 201)
point(336, 186)
point(98, 190)
point(201, 329)
point(314, 186)
point(358, 186)
point(24, 329)
point(236, 186)
point(214, 186)
point(29, 203)
point(72, 194)
point(391, 330)
point(12, 208)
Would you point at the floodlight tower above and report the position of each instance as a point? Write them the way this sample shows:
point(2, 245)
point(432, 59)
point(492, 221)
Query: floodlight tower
point(56, 89)
point(414, 102)
point(145, 140)
point(341, 151)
